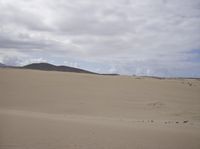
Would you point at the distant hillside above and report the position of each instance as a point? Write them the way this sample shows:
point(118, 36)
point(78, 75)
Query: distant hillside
point(2, 65)
point(110, 74)
point(50, 67)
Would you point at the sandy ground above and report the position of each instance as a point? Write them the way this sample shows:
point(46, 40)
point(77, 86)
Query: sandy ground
point(51, 110)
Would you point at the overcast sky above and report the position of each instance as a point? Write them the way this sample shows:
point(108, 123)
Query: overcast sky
point(142, 37)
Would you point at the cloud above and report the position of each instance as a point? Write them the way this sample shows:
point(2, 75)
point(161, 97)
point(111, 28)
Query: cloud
point(15, 58)
point(71, 64)
point(123, 36)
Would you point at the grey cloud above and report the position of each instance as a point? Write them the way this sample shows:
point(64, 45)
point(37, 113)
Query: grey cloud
point(19, 44)
point(21, 17)
point(132, 36)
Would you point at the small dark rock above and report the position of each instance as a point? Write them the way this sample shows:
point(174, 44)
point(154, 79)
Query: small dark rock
point(190, 84)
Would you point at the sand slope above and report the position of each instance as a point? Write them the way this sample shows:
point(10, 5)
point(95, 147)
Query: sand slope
point(40, 109)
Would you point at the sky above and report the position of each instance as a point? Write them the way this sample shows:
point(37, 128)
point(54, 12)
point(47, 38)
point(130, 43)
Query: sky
point(140, 37)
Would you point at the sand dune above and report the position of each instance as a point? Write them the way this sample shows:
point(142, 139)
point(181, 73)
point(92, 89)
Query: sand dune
point(41, 109)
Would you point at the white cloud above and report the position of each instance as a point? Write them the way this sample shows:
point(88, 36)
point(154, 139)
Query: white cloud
point(31, 60)
point(71, 64)
point(130, 36)
point(15, 58)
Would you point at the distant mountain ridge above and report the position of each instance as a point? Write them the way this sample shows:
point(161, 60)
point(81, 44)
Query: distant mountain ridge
point(3, 65)
point(51, 67)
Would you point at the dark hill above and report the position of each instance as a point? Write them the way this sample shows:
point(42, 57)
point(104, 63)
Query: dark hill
point(2, 65)
point(50, 67)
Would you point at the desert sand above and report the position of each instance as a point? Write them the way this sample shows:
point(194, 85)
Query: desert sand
point(59, 110)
